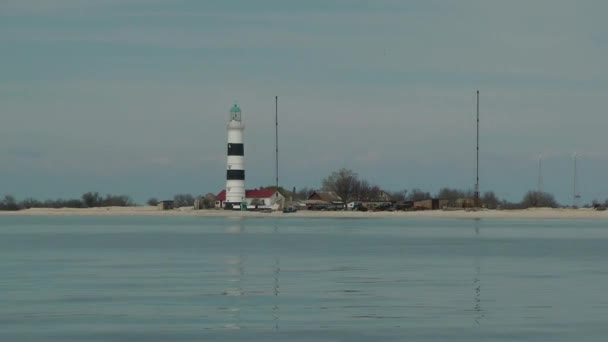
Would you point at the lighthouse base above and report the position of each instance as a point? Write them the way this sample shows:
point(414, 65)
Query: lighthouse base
point(242, 206)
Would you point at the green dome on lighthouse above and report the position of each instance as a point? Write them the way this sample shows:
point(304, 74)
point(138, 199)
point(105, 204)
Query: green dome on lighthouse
point(235, 113)
point(235, 109)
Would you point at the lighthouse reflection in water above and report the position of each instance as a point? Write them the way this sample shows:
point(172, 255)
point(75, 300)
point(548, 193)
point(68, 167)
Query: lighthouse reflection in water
point(238, 285)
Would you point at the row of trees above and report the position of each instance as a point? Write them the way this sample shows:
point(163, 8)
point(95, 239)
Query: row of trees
point(94, 199)
point(187, 200)
point(87, 200)
point(181, 200)
point(346, 184)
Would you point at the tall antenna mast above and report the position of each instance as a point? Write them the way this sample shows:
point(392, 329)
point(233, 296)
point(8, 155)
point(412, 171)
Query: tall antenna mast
point(539, 188)
point(539, 184)
point(276, 108)
point(574, 194)
point(477, 201)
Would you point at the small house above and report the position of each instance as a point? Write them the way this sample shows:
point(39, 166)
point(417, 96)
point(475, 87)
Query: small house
point(430, 204)
point(324, 200)
point(204, 202)
point(166, 205)
point(465, 203)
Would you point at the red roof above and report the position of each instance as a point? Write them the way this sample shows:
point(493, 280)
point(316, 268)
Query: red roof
point(262, 193)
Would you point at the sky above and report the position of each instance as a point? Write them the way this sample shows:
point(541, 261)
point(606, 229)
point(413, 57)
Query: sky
point(132, 96)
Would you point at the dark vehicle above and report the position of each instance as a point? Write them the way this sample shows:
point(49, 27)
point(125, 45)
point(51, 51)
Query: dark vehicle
point(289, 210)
point(360, 207)
point(317, 207)
point(407, 205)
point(384, 207)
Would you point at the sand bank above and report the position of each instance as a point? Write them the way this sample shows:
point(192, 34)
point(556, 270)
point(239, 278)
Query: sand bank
point(537, 213)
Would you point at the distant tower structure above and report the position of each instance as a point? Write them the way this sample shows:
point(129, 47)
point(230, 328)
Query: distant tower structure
point(477, 195)
point(575, 194)
point(276, 106)
point(235, 172)
point(539, 186)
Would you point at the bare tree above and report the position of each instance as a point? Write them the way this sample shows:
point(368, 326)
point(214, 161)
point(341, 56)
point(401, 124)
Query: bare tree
point(30, 203)
point(418, 195)
point(344, 183)
point(538, 199)
point(117, 201)
point(362, 191)
point(304, 193)
point(398, 195)
point(452, 195)
point(374, 193)
point(208, 201)
point(490, 200)
point(92, 199)
point(183, 200)
point(152, 202)
point(9, 203)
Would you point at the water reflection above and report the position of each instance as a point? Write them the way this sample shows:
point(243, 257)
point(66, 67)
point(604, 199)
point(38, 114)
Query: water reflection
point(275, 308)
point(477, 309)
point(276, 288)
point(239, 290)
point(236, 271)
point(236, 226)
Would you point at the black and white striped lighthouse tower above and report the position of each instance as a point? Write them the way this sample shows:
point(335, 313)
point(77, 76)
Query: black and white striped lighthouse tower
point(235, 173)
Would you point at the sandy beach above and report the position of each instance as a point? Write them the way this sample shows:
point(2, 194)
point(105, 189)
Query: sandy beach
point(537, 213)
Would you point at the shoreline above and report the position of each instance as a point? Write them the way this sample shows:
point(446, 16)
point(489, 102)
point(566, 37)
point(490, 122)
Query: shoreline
point(535, 213)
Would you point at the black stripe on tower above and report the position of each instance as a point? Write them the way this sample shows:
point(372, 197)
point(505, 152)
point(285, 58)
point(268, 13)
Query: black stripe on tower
point(236, 149)
point(235, 174)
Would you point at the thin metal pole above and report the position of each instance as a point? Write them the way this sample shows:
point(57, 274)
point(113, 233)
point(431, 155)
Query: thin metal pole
point(276, 104)
point(539, 188)
point(477, 203)
point(574, 184)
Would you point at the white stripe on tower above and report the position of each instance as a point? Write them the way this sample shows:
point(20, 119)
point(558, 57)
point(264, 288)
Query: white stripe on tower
point(235, 173)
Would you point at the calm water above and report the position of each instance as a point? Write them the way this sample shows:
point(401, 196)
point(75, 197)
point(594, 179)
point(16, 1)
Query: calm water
point(193, 279)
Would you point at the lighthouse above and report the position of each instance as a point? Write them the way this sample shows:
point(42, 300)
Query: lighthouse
point(235, 172)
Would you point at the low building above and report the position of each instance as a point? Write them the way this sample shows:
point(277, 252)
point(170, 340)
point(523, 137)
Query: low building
point(319, 200)
point(404, 205)
point(298, 205)
point(316, 205)
point(166, 205)
point(327, 196)
point(465, 203)
point(431, 204)
point(257, 199)
point(382, 197)
point(204, 202)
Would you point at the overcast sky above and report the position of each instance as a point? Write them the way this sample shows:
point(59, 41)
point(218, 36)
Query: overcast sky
point(132, 97)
